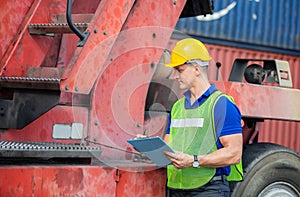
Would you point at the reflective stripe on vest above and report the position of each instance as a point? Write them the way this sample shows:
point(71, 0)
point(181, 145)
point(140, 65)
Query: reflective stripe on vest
point(188, 122)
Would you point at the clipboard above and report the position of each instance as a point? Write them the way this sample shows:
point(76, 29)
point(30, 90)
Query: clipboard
point(153, 148)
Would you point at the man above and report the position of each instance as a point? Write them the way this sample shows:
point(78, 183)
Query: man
point(204, 129)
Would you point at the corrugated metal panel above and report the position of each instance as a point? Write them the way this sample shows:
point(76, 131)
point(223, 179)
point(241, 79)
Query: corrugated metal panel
point(273, 23)
point(284, 133)
point(280, 132)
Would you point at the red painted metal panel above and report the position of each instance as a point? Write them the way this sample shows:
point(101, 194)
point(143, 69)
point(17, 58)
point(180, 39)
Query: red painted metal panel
point(119, 96)
point(90, 59)
point(266, 102)
point(11, 17)
point(40, 130)
point(162, 16)
point(23, 181)
point(148, 183)
point(17, 37)
point(281, 132)
point(29, 51)
point(85, 181)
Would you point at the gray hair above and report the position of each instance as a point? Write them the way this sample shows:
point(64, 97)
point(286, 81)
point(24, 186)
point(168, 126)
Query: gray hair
point(199, 62)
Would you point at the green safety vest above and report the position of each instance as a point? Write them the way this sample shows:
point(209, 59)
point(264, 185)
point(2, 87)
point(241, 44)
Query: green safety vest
point(192, 131)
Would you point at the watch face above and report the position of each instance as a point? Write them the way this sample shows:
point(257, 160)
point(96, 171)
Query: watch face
point(195, 164)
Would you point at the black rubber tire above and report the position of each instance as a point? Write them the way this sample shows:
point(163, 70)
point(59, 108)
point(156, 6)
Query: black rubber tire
point(264, 164)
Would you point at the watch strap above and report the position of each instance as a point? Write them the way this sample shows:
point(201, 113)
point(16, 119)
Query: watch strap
point(196, 158)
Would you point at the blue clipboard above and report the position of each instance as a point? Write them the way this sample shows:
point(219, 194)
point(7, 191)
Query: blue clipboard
point(153, 148)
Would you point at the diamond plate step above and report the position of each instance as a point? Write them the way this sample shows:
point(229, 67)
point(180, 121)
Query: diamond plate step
point(30, 83)
point(52, 28)
point(47, 150)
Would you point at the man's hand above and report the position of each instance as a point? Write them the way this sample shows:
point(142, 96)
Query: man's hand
point(140, 136)
point(180, 160)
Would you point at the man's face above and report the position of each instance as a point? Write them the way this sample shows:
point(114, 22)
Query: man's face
point(185, 74)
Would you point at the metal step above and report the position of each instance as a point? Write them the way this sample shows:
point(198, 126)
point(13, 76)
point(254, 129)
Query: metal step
point(26, 97)
point(76, 18)
point(30, 83)
point(81, 21)
point(52, 28)
point(10, 149)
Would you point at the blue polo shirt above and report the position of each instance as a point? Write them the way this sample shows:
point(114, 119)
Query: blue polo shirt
point(226, 114)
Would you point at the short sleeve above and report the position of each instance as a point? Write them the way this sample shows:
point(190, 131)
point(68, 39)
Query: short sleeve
point(227, 117)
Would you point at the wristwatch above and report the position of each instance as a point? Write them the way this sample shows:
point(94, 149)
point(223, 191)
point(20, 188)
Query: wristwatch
point(196, 162)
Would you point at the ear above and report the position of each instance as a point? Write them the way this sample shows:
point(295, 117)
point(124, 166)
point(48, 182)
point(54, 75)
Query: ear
point(197, 70)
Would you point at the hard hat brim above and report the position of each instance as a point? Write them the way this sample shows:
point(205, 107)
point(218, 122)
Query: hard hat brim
point(176, 61)
point(173, 65)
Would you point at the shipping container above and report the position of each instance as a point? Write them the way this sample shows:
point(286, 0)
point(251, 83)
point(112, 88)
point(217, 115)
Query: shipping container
point(279, 132)
point(256, 24)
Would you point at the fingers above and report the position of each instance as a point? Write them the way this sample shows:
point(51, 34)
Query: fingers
point(179, 160)
point(174, 158)
point(170, 154)
point(140, 136)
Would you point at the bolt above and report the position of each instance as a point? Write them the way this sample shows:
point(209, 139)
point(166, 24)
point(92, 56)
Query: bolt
point(76, 89)
point(96, 122)
point(104, 32)
point(154, 35)
point(67, 87)
point(95, 138)
point(175, 2)
point(95, 31)
point(138, 124)
point(152, 65)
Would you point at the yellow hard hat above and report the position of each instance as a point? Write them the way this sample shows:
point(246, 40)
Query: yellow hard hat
point(186, 50)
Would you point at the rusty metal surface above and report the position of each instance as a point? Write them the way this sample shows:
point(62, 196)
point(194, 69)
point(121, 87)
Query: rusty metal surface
point(90, 59)
point(119, 94)
point(105, 127)
point(77, 180)
point(16, 37)
point(51, 181)
point(11, 18)
point(149, 183)
point(29, 51)
point(264, 102)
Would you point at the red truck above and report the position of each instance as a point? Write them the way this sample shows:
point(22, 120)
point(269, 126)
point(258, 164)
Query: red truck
point(78, 79)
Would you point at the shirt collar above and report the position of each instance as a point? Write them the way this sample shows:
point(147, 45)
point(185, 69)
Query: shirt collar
point(201, 99)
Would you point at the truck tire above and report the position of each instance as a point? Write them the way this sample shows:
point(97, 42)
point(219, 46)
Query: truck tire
point(269, 170)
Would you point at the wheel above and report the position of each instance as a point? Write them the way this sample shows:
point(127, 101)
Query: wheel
point(270, 170)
